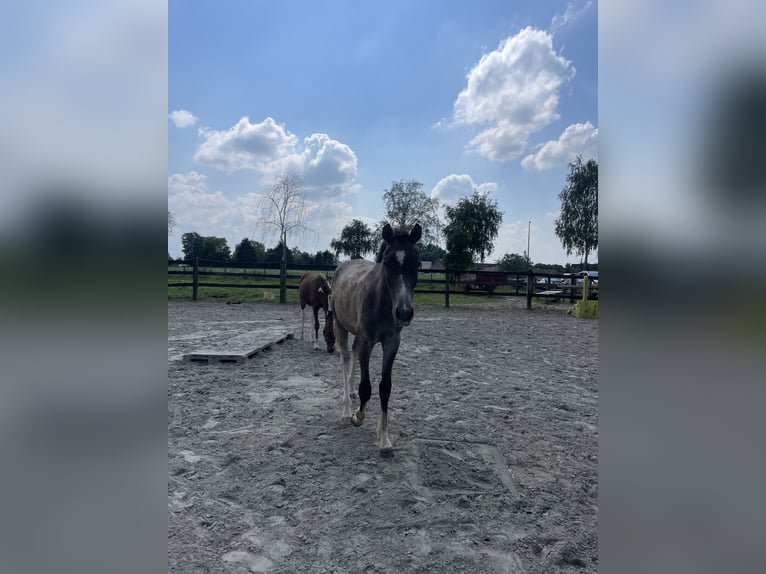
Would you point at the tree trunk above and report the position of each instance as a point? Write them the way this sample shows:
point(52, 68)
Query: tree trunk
point(283, 272)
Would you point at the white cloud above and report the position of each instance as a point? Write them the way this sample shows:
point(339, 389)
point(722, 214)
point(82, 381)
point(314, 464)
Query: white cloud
point(572, 11)
point(196, 208)
point(511, 93)
point(183, 118)
point(326, 166)
point(577, 139)
point(452, 188)
point(244, 145)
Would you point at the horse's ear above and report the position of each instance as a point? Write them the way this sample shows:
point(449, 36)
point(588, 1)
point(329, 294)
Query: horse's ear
point(388, 233)
point(416, 233)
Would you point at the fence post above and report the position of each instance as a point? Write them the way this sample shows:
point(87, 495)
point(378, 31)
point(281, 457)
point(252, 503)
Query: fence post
point(446, 288)
point(530, 289)
point(195, 279)
point(573, 283)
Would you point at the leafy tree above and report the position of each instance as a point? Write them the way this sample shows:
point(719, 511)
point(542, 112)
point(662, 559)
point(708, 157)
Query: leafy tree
point(248, 251)
point(216, 248)
point(431, 252)
point(276, 254)
point(458, 253)
point(513, 262)
point(407, 204)
point(325, 258)
point(356, 239)
point(479, 218)
point(191, 244)
point(577, 226)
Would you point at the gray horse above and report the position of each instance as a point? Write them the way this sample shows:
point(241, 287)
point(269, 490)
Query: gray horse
point(373, 301)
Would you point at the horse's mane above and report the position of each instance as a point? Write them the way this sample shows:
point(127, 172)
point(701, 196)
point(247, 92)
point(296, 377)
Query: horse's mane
point(381, 249)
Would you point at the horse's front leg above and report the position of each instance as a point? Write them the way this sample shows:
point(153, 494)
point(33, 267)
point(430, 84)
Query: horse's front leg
point(390, 348)
point(303, 320)
point(362, 350)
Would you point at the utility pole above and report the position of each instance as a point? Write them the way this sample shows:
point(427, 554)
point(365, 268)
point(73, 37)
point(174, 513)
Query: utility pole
point(529, 231)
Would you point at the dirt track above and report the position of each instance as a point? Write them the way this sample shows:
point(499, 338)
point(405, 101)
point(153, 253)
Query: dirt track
point(493, 417)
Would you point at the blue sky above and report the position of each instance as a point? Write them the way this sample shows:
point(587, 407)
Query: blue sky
point(351, 96)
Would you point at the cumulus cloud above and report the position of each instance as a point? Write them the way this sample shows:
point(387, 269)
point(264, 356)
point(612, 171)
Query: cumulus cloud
point(511, 93)
point(326, 166)
point(451, 189)
point(244, 145)
point(183, 118)
point(577, 139)
point(196, 208)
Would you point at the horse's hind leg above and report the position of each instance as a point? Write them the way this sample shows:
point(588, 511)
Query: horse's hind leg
point(345, 366)
point(303, 320)
point(316, 328)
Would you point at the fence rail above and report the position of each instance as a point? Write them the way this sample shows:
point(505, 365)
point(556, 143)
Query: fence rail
point(551, 286)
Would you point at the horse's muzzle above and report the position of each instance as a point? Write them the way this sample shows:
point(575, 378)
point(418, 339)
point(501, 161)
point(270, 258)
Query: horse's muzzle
point(404, 315)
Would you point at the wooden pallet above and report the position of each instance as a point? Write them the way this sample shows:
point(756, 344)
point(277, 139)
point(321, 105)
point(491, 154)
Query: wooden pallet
point(239, 349)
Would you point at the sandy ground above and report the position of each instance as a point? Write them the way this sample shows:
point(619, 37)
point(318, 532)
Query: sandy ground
point(493, 417)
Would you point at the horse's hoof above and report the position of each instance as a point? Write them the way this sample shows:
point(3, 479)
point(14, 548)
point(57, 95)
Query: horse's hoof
point(357, 421)
point(345, 419)
point(386, 452)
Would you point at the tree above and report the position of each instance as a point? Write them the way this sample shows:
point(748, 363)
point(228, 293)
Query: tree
point(196, 245)
point(356, 239)
point(479, 218)
point(431, 252)
point(514, 262)
point(407, 204)
point(458, 254)
point(248, 251)
point(283, 210)
point(192, 244)
point(216, 248)
point(325, 257)
point(171, 222)
point(577, 226)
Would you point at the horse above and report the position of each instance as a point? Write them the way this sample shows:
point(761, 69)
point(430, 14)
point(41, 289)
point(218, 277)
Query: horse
point(373, 301)
point(314, 290)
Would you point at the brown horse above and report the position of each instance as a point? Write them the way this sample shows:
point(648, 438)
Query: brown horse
point(315, 291)
point(373, 301)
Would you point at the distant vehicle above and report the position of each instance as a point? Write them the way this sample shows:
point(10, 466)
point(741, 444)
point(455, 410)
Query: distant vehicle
point(593, 275)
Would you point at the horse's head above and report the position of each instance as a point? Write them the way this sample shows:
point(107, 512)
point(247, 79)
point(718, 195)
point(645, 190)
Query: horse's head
point(401, 261)
point(323, 292)
point(329, 332)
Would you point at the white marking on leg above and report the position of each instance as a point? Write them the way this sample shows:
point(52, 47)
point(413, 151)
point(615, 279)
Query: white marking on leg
point(383, 442)
point(400, 257)
point(344, 368)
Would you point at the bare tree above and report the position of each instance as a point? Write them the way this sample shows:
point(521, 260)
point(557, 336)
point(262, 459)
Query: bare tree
point(407, 204)
point(171, 222)
point(283, 210)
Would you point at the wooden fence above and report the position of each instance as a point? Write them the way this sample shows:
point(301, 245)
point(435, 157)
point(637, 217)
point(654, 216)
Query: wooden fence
point(435, 281)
